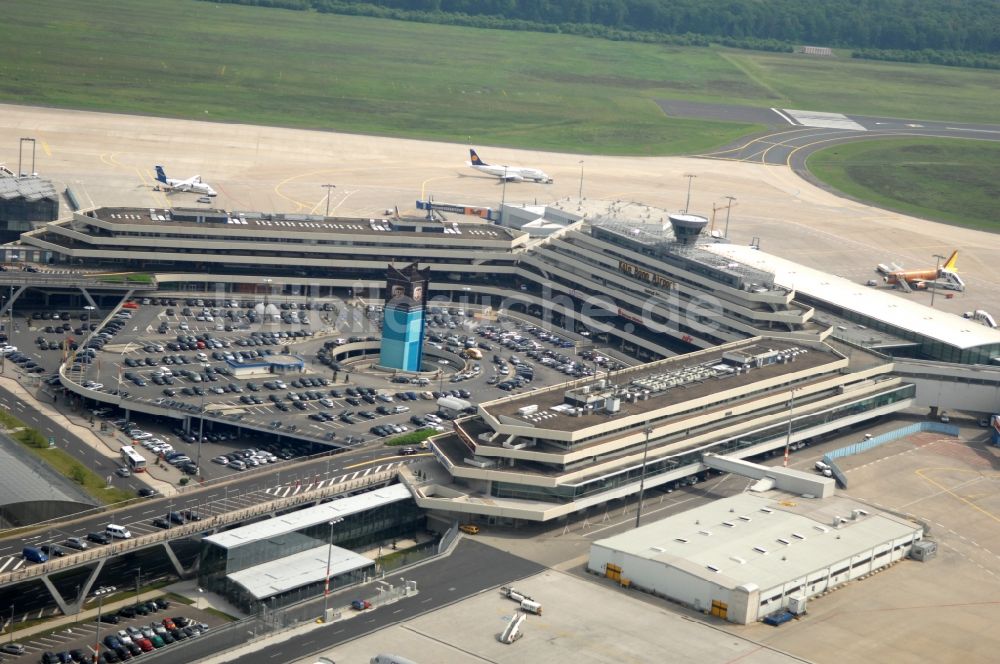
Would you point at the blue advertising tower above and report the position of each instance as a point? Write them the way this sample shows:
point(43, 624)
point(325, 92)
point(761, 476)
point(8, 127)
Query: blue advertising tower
point(403, 320)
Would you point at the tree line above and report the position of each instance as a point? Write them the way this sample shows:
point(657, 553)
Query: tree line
point(952, 32)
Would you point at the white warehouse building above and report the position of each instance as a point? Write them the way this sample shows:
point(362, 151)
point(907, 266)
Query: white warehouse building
point(744, 557)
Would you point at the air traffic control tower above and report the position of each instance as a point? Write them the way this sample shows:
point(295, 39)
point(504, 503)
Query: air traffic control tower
point(403, 321)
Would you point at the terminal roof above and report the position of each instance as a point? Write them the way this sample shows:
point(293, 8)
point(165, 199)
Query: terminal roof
point(553, 413)
point(297, 570)
point(30, 188)
point(873, 303)
point(312, 516)
point(262, 225)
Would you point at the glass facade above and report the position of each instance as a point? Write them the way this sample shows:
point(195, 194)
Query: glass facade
point(402, 338)
point(401, 519)
point(569, 492)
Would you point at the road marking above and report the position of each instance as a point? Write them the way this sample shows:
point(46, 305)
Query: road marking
point(6, 563)
point(18, 565)
point(984, 131)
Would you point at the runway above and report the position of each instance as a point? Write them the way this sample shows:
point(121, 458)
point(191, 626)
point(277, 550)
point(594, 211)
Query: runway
point(796, 134)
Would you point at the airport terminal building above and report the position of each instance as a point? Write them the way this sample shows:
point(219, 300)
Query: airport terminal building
point(567, 448)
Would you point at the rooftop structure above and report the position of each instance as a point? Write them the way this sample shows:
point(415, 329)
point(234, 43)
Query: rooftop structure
point(753, 553)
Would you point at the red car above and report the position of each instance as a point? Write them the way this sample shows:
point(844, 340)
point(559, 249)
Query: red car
point(145, 644)
point(169, 624)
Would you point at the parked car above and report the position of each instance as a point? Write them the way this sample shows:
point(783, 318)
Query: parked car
point(99, 538)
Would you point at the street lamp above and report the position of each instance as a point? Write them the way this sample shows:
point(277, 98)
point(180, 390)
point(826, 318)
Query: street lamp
point(642, 474)
point(937, 273)
point(12, 623)
point(687, 203)
point(788, 437)
point(100, 607)
point(201, 427)
point(503, 194)
point(328, 187)
point(329, 554)
point(729, 208)
point(581, 180)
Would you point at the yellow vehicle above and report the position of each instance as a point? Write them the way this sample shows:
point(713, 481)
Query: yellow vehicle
point(469, 528)
point(473, 353)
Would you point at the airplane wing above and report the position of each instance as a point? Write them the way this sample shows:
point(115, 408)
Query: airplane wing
point(513, 177)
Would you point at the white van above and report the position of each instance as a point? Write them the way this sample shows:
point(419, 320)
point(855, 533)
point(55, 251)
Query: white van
point(117, 532)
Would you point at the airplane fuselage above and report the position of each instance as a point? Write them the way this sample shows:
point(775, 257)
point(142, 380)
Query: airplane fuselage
point(514, 173)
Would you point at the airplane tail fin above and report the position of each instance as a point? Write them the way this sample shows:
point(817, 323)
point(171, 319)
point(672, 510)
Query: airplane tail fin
point(952, 261)
point(476, 161)
point(160, 175)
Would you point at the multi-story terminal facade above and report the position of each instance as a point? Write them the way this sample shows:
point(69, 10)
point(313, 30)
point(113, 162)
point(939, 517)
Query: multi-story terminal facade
point(638, 289)
point(569, 447)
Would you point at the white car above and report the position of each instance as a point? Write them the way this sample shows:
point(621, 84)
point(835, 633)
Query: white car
point(142, 435)
point(184, 326)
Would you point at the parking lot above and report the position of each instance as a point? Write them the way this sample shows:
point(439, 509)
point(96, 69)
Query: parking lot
point(126, 631)
point(260, 367)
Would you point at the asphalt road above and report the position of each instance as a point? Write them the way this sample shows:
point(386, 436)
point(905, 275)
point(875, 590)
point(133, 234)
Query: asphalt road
point(791, 139)
point(66, 440)
point(471, 568)
point(243, 491)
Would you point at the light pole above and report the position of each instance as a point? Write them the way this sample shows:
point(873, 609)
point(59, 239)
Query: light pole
point(201, 428)
point(329, 554)
point(642, 474)
point(687, 203)
point(937, 273)
point(138, 582)
point(729, 208)
point(100, 605)
point(328, 187)
point(12, 623)
point(503, 194)
point(581, 180)
point(788, 437)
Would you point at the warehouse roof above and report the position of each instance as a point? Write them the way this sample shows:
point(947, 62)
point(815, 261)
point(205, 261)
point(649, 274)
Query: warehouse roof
point(762, 541)
point(295, 521)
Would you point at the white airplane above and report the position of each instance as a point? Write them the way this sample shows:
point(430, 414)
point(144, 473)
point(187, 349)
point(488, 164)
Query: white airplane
point(192, 184)
point(508, 173)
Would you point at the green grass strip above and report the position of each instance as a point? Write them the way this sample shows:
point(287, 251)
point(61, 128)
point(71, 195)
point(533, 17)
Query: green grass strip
point(954, 181)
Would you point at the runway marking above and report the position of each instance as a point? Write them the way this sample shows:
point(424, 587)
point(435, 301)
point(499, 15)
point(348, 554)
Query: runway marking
point(981, 131)
point(784, 116)
point(822, 119)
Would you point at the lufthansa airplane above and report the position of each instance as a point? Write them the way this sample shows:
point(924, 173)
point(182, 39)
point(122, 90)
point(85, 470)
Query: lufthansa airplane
point(508, 173)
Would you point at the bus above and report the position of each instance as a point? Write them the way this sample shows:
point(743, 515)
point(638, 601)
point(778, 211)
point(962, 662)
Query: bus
point(135, 461)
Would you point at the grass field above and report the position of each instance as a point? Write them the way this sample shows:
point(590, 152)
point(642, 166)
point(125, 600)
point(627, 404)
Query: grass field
point(263, 66)
point(954, 181)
